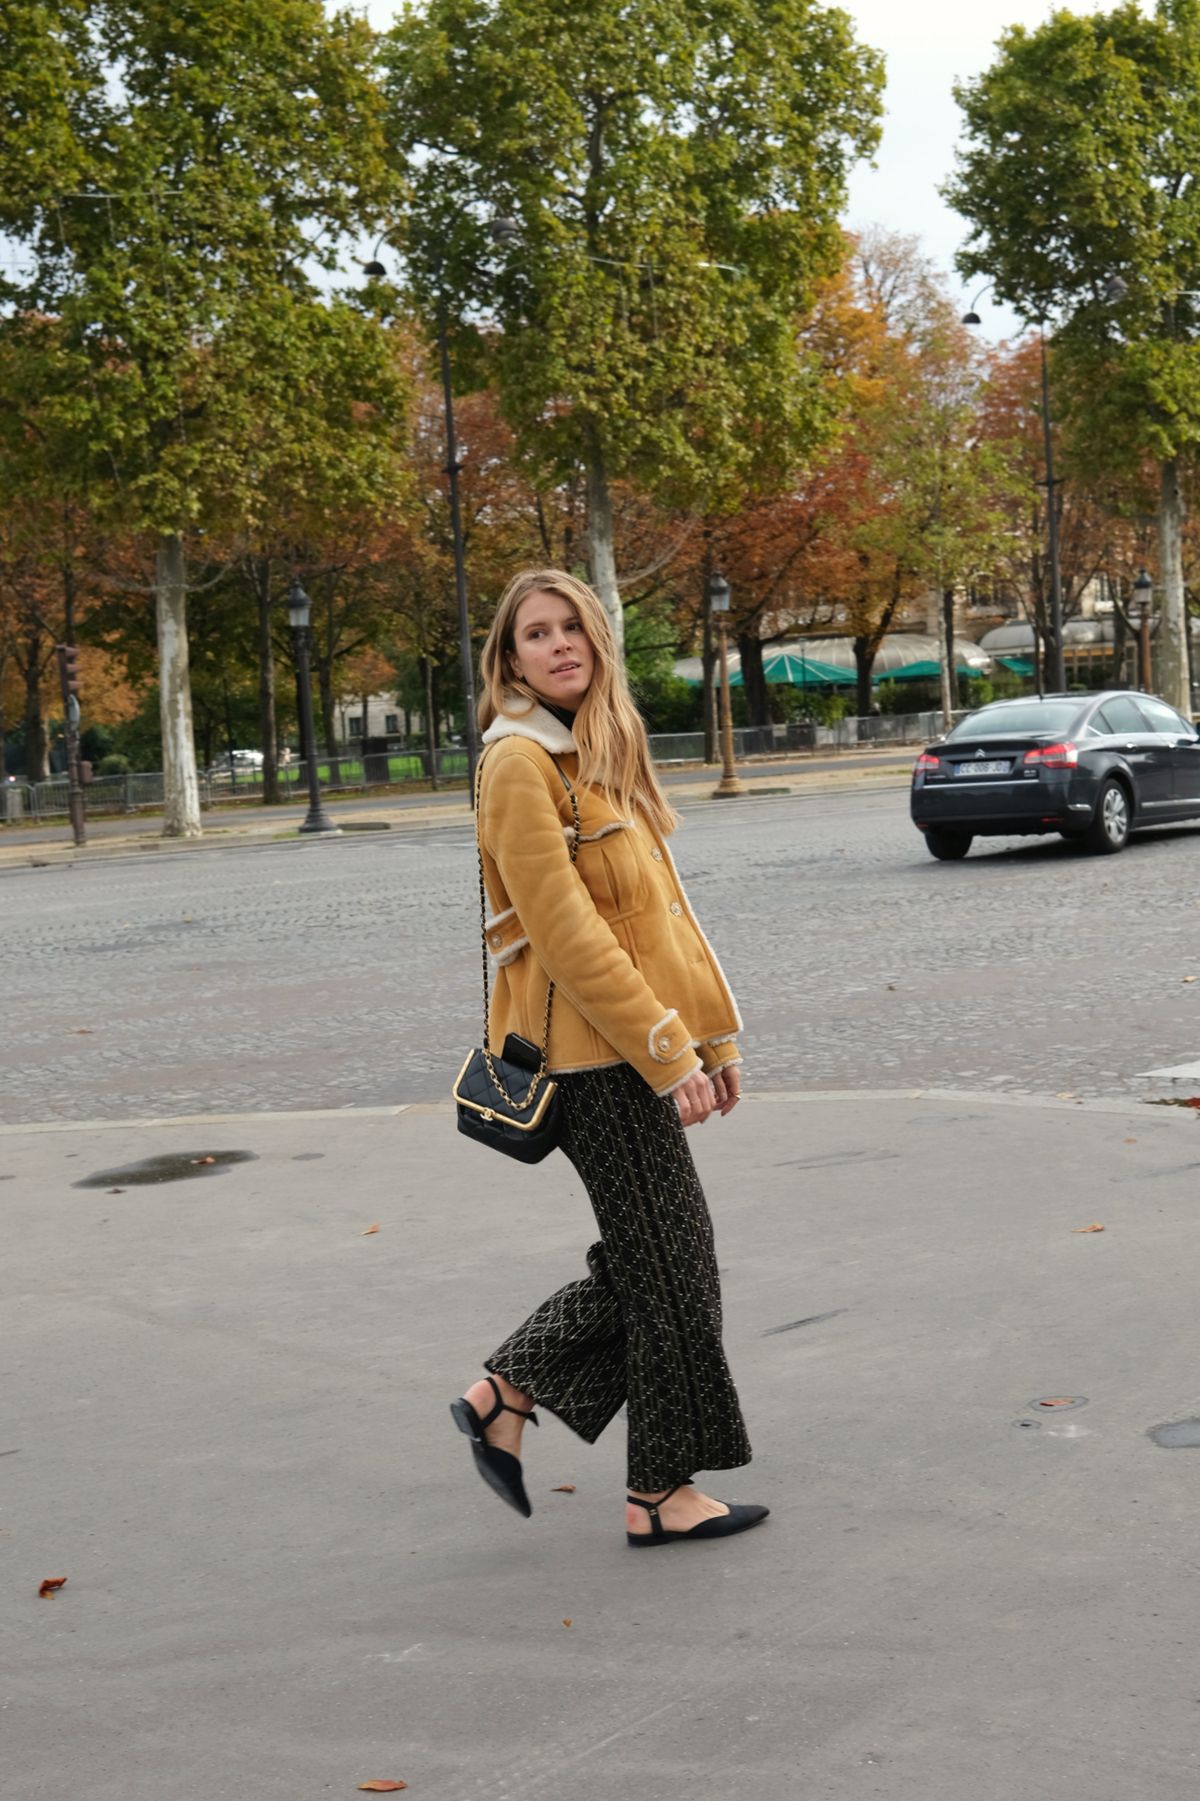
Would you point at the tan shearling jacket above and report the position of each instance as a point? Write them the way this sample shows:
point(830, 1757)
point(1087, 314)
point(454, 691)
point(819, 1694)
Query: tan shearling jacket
point(636, 981)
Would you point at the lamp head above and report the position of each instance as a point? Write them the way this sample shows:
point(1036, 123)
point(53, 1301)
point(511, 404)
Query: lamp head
point(718, 594)
point(971, 318)
point(1115, 290)
point(298, 605)
point(374, 268)
point(1143, 587)
point(503, 230)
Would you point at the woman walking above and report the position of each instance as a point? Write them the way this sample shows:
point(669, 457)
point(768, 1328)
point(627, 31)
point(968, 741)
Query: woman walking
point(643, 1043)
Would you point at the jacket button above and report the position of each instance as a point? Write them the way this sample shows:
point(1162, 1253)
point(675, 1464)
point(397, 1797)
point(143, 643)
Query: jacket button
point(676, 908)
point(496, 940)
point(656, 854)
point(664, 1044)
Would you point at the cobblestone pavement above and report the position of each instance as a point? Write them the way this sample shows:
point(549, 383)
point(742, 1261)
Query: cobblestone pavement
point(346, 972)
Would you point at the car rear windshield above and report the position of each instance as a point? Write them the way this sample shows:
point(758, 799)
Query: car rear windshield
point(1019, 719)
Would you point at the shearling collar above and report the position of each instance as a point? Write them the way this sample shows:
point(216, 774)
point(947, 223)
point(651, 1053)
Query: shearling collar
point(528, 720)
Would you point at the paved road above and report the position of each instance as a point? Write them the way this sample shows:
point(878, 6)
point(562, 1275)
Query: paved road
point(345, 972)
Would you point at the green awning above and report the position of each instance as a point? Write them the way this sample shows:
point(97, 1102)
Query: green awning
point(1018, 665)
point(785, 667)
point(927, 670)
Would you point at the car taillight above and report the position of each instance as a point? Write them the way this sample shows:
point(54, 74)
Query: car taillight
point(925, 761)
point(1053, 756)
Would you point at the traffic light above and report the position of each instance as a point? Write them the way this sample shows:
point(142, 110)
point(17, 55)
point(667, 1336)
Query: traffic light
point(68, 664)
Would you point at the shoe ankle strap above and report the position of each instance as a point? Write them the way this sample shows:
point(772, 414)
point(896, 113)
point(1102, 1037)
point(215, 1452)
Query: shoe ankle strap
point(502, 1406)
point(652, 1507)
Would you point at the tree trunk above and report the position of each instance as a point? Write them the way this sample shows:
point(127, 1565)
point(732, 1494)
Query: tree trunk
point(1172, 658)
point(601, 554)
point(708, 657)
point(951, 656)
point(1117, 666)
point(864, 663)
point(945, 659)
point(430, 719)
point(267, 727)
point(37, 738)
point(181, 790)
point(325, 674)
point(754, 682)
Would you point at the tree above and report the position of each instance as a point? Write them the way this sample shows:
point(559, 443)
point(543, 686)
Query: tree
point(1094, 517)
point(212, 154)
point(1081, 145)
point(671, 193)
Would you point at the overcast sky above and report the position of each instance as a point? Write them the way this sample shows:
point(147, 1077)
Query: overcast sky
point(929, 44)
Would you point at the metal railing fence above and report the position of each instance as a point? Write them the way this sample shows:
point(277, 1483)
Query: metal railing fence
point(109, 795)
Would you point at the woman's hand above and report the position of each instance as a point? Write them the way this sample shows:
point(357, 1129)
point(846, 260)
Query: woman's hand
point(727, 1088)
point(695, 1098)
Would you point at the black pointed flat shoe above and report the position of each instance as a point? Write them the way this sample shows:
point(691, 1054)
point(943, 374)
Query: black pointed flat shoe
point(740, 1518)
point(499, 1469)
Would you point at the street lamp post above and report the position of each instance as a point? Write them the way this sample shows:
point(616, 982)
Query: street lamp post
point(452, 467)
point(1058, 677)
point(298, 605)
point(718, 601)
point(1143, 589)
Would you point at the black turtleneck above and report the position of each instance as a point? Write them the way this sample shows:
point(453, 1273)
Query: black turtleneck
point(564, 715)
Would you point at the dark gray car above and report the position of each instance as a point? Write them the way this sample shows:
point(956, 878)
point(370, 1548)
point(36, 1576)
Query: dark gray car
point(1093, 767)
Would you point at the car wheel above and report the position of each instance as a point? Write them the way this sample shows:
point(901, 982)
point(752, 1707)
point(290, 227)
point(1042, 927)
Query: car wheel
point(1109, 830)
point(947, 846)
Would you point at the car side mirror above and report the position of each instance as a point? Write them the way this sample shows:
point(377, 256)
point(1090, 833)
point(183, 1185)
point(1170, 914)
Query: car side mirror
point(1187, 743)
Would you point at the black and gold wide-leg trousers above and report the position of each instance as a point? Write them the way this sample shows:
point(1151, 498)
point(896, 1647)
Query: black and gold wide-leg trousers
point(644, 1326)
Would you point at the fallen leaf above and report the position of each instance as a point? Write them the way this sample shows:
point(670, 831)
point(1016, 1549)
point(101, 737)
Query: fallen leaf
point(50, 1584)
point(116, 1191)
point(1087, 1228)
point(564, 1488)
point(1057, 1401)
point(367, 1233)
point(1188, 979)
point(380, 1786)
point(1131, 1141)
point(82, 1031)
point(1068, 1094)
point(891, 987)
point(566, 1622)
point(203, 1159)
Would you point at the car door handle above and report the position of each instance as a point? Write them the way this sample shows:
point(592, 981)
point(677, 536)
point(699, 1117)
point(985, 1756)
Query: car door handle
point(1131, 747)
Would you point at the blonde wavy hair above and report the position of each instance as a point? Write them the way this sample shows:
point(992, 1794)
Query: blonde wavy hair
point(614, 753)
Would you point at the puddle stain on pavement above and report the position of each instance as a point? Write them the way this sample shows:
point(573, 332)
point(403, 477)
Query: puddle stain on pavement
point(1177, 1435)
point(172, 1166)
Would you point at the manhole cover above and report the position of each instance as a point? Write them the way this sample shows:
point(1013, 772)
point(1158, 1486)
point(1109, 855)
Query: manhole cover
point(173, 1167)
point(1178, 1435)
point(1058, 1403)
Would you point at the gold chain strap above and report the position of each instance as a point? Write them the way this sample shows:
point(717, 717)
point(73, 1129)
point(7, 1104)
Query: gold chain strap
point(487, 1049)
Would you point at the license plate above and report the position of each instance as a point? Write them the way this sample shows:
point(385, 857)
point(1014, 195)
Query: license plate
point(982, 768)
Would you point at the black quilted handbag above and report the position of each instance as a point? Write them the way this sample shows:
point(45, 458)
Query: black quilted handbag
point(508, 1102)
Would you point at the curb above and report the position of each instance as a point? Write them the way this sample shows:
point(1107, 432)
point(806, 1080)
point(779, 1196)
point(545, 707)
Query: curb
point(1151, 1110)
